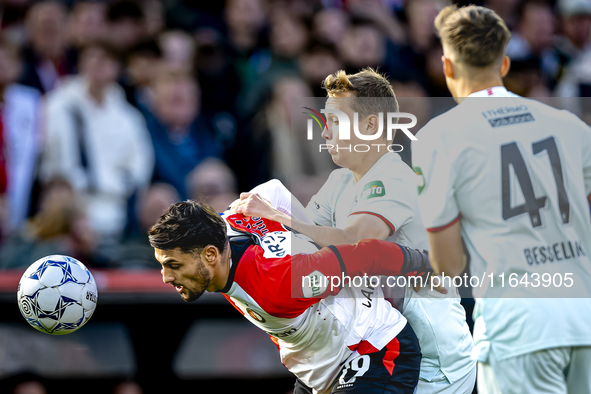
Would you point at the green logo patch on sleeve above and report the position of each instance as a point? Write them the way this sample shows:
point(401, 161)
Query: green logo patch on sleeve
point(421, 179)
point(373, 189)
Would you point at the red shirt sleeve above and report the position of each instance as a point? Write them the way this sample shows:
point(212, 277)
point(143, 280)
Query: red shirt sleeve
point(285, 287)
point(366, 257)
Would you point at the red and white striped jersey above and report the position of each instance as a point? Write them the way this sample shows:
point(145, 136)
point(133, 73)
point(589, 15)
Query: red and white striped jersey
point(315, 330)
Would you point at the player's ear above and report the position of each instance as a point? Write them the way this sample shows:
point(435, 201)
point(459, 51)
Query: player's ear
point(372, 124)
point(209, 254)
point(448, 67)
point(505, 66)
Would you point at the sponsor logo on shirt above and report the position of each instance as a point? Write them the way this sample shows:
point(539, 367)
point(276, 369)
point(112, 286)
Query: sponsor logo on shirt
point(373, 189)
point(283, 334)
point(511, 120)
point(255, 315)
point(314, 284)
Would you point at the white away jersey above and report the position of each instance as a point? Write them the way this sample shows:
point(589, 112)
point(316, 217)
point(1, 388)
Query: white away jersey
point(389, 191)
point(516, 173)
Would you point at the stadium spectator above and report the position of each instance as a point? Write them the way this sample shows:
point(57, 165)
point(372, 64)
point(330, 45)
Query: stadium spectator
point(288, 36)
point(329, 25)
point(181, 135)
point(574, 41)
point(383, 18)
point(135, 250)
point(213, 183)
point(97, 141)
point(178, 50)
point(126, 23)
point(577, 83)
point(531, 42)
point(534, 31)
point(154, 13)
point(21, 139)
point(217, 75)
point(144, 61)
point(505, 9)
point(268, 147)
point(316, 62)
point(46, 57)
point(87, 22)
point(246, 21)
point(362, 46)
point(59, 227)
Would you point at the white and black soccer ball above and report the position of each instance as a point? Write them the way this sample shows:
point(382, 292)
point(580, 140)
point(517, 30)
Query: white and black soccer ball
point(57, 295)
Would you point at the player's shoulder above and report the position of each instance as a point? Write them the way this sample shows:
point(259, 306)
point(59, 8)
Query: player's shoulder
point(339, 176)
point(390, 167)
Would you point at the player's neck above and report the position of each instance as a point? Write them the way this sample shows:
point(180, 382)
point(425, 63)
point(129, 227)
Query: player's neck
point(368, 161)
point(222, 271)
point(465, 87)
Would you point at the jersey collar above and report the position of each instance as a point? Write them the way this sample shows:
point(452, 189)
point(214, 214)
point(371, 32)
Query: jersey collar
point(238, 245)
point(496, 91)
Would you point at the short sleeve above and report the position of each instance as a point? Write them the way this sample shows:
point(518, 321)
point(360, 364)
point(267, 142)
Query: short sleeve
point(388, 198)
point(281, 199)
point(434, 167)
point(319, 207)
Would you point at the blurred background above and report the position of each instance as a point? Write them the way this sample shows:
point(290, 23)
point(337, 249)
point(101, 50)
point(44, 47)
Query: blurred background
point(112, 110)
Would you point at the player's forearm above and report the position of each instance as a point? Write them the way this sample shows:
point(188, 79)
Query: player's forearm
point(447, 253)
point(322, 235)
point(377, 257)
point(369, 257)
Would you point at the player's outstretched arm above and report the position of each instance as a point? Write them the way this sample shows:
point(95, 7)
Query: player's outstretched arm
point(447, 253)
point(369, 257)
point(358, 226)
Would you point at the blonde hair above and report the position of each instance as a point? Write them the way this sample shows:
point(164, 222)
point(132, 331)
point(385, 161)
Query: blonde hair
point(368, 84)
point(476, 34)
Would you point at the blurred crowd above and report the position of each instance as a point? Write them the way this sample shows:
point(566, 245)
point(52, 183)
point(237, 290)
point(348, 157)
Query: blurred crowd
point(112, 110)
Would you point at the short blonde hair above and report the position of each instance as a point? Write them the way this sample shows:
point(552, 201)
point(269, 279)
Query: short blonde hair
point(476, 34)
point(368, 84)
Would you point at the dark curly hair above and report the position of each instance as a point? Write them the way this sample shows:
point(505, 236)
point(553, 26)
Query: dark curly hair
point(189, 226)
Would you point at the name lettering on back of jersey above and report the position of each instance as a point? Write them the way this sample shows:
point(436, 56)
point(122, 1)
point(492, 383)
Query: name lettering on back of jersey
point(373, 189)
point(314, 285)
point(367, 294)
point(276, 245)
point(565, 250)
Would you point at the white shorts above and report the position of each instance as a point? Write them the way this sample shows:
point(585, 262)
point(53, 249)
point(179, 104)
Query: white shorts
point(440, 385)
point(558, 370)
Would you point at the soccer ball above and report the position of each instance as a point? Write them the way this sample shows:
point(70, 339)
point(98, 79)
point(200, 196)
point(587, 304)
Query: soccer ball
point(57, 295)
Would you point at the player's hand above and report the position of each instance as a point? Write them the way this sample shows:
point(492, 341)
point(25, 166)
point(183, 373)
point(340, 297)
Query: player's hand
point(251, 204)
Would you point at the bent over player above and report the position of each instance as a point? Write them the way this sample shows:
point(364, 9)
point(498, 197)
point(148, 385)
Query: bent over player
point(354, 343)
point(375, 195)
